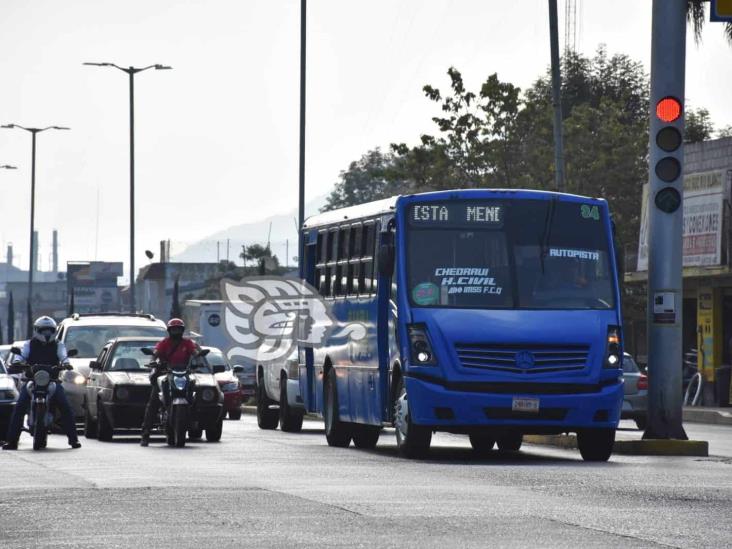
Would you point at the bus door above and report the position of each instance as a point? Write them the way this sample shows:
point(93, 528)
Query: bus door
point(385, 261)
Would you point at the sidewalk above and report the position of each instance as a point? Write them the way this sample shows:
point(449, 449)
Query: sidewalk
point(710, 416)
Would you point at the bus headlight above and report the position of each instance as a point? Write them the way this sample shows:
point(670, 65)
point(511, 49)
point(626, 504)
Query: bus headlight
point(420, 348)
point(612, 356)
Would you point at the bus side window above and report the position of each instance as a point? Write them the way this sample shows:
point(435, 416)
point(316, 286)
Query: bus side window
point(320, 255)
point(367, 262)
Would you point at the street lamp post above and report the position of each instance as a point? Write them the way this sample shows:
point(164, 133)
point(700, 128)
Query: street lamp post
point(31, 265)
point(131, 72)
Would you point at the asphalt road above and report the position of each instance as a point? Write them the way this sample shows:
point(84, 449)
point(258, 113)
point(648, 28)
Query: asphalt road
point(271, 489)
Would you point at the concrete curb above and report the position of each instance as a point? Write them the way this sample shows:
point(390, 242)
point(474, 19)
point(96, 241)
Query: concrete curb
point(710, 417)
point(695, 448)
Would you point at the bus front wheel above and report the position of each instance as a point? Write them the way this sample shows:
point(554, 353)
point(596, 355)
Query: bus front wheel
point(337, 432)
point(596, 444)
point(413, 441)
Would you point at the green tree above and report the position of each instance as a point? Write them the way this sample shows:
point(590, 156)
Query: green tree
point(369, 178)
point(698, 126)
point(696, 16)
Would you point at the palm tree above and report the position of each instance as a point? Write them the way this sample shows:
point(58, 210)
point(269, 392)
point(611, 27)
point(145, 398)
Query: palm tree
point(696, 17)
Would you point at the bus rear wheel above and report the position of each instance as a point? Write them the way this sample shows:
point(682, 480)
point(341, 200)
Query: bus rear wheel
point(596, 444)
point(267, 418)
point(366, 437)
point(510, 442)
point(482, 444)
point(338, 433)
point(413, 441)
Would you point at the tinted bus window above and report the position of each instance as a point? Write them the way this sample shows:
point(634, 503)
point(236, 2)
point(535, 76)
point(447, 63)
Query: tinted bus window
point(528, 254)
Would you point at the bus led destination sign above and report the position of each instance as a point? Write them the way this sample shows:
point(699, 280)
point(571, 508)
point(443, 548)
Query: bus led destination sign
point(457, 214)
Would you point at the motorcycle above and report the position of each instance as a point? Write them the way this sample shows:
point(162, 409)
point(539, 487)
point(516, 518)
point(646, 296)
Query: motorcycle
point(177, 396)
point(42, 383)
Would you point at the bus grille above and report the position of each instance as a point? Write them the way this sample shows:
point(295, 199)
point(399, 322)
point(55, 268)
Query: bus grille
point(523, 359)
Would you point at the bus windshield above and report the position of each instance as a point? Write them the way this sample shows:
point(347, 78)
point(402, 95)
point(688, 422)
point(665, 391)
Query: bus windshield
point(509, 254)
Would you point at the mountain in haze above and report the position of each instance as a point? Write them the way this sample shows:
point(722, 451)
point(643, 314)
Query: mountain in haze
point(283, 236)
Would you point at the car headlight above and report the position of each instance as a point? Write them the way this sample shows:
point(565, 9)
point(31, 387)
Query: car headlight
point(230, 386)
point(208, 394)
point(79, 379)
point(122, 393)
point(8, 394)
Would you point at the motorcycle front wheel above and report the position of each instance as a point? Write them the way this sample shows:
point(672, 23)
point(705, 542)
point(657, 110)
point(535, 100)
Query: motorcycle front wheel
point(179, 421)
point(40, 432)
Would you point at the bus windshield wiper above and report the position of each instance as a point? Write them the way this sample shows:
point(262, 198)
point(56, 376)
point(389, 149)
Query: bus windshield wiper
point(546, 233)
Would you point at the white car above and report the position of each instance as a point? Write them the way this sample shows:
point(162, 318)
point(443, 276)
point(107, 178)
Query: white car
point(278, 395)
point(88, 334)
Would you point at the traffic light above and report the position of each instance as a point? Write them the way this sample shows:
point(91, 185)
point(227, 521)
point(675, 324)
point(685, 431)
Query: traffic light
point(669, 140)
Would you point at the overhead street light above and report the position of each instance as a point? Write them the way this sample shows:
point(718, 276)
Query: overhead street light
point(131, 71)
point(31, 266)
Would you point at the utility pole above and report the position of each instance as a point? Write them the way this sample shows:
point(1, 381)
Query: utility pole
point(301, 188)
point(556, 98)
point(665, 217)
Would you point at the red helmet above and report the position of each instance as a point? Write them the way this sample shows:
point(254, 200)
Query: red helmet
point(176, 323)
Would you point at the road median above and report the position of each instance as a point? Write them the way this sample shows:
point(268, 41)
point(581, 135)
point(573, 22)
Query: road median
point(631, 447)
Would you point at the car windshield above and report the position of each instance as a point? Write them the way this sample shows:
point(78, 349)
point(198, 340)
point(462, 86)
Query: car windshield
point(629, 365)
point(511, 254)
point(89, 340)
point(127, 355)
point(217, 358)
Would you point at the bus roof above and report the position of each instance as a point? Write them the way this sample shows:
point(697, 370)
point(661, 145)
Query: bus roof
point(387, 205)
point(368, 209)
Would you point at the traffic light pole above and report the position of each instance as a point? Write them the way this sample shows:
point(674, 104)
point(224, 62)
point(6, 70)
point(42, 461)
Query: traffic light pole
point(665, 218)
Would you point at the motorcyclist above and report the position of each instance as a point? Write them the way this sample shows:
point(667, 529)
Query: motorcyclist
point(43, 348)
point(174, 350)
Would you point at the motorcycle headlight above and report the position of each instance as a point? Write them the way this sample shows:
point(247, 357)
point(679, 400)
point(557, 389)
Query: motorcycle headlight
point(208, 394)
point(122, 393)
point(231, 386)
point(42, 378)
point(180, 383)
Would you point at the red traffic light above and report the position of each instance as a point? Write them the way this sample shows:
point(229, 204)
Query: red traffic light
point(668, 109)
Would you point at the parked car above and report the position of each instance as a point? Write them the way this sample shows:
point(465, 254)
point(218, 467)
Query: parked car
point(635, 393)
point(88, 334)
point(119, 388)
point(228, 381)
point(8, 397)
point(278, 395)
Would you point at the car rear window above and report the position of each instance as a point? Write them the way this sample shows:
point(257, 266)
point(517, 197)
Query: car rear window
point(629, 366)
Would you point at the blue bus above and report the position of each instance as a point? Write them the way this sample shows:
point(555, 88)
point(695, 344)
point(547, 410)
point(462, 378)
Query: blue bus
point(489, 313)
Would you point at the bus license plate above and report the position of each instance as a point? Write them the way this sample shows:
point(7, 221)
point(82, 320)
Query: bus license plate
point(525, 405)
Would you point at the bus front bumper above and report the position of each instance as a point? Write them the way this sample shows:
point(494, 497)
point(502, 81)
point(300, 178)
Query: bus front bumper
point(465, 408)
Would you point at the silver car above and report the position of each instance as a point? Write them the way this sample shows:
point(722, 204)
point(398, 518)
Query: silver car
point(635, 392)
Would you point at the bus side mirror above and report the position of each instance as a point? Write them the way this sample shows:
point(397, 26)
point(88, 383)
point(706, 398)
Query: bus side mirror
point(386, 259)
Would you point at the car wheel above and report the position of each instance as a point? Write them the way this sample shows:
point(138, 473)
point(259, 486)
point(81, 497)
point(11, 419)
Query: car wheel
point(105, 433)
point(510, 442)
point(413, 441)
point(235, 414)
point(482, 444)
point(266, 418)
point(338, 433)
point(90, 426)
point(213, 433)
point(366, 437)
point(290, 420)
point(596, 444)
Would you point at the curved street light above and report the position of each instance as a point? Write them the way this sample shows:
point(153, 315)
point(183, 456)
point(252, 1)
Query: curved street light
point(31, 265)
point(131, 71)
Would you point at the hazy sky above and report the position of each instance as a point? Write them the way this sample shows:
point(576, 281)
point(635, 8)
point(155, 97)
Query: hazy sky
point(216, 139)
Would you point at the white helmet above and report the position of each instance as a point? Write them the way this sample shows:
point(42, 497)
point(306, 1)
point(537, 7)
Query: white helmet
point(44, 329)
